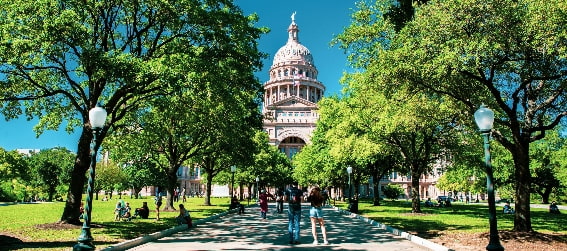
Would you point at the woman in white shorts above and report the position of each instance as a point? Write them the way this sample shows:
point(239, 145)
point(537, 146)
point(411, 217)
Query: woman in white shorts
point(316, 214)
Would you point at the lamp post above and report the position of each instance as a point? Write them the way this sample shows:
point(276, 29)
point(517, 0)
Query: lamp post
point(232, 170)
point(257, 188)
point(97, 118)
point(484, 118)
point(349, 171)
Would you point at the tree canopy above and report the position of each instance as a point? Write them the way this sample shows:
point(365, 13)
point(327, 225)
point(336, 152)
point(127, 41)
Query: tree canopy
point(60, 58)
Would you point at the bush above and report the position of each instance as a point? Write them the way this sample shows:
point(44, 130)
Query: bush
point(393, 191)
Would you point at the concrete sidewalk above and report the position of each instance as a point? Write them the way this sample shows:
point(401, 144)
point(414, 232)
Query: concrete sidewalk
point(345, 231)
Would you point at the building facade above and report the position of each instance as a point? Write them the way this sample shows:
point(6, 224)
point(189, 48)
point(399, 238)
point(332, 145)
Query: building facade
point(291, 95)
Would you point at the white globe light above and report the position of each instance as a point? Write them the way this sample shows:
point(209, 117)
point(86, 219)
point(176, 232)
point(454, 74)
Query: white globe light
point(484, 118)
point(97, 117)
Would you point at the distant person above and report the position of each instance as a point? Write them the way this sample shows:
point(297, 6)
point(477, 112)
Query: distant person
point(316, 214)
point(326, 200)
point(143, 211)
point(127, 212)
point(158, 203)
point(118, 209)
point(429, 203)
point(184, 217)
point(264, 203)
point(293, 196)
point(507, 208)
point(82, 211)
point(279, 200)
point(234, 203)
point(553, 208)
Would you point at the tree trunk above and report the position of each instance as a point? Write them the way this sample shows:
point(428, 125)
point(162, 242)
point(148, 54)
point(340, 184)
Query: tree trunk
point(171, 183)
point(376, 193)
point(545, 195)
point(71, 212)
point(522, 217)
point(415, 201)
point(376, 184)
point(209, 190)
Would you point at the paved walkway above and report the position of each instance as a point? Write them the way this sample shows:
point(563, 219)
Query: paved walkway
point(249, 232)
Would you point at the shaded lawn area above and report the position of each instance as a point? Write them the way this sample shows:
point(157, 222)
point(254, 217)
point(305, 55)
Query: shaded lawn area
point(32, 226)
point(460, 217)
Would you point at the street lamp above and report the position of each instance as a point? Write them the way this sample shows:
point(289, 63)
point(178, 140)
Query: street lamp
point(349, 171)
point(233, 170)
point(257, 188)
point(484, 118)
point(97, 118)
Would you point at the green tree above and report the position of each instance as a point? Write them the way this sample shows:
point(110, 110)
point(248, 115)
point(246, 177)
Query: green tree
point(58, 59)
point(14, 175)
point(546, 166)
point(506, 54)
point(51, 169)
point(108, 175)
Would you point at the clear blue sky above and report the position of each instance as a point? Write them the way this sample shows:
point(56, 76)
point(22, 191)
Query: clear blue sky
point(318, 20)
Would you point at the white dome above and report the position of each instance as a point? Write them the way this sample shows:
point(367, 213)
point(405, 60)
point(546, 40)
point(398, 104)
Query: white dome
point(293, 50)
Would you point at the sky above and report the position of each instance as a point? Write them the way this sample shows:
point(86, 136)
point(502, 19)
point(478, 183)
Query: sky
point(319, 21)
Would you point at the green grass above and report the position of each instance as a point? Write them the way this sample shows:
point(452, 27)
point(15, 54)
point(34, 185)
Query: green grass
point(27, 222)
point(31, 223)
point(471, 218)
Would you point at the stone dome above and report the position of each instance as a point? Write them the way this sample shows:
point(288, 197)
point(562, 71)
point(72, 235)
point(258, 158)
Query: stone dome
point(293, 50)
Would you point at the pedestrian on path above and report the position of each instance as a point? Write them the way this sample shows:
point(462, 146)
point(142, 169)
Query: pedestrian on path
point(279, 200)
point(293, 196)
point(316, 214)
point(264, 203)
point(158, 203)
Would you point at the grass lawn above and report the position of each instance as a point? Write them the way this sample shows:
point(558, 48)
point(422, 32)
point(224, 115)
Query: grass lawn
point(466, 226)
point(460, 217)
point(31, 225)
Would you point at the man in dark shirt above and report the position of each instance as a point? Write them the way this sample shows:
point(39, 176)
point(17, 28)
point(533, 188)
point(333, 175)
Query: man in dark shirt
point(293, 196)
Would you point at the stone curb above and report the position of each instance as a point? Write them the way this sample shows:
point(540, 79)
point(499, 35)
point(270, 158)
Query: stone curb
point(164, 233)
point(413, 238)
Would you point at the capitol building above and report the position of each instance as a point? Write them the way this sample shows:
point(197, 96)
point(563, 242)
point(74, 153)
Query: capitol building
point(291, 95)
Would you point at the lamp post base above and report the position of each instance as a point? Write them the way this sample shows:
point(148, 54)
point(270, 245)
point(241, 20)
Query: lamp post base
point(494, 247)
point(85, 241)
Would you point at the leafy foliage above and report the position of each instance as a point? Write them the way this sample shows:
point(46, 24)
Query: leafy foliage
point(393, 191)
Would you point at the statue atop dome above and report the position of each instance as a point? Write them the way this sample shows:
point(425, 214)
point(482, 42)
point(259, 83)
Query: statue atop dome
point(293, 17)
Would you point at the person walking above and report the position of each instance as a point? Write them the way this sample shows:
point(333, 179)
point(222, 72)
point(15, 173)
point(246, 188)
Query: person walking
point(293, 196)
point(279, 200)
point(316, 214)
point(264, 203)
point(158, 203)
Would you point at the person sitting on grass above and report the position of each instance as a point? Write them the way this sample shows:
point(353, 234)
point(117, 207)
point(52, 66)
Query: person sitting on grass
point(429, 203)
point(184, 217)
point(143, 211)
point(553, 208)
point(127, 212)
point(508, 209)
